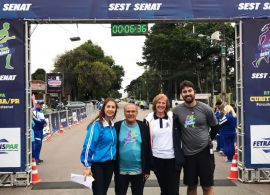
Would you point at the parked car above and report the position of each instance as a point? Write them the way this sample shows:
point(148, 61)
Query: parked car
point(137, 102)
point(75, 104)
point(144, 104)
point(131, 100)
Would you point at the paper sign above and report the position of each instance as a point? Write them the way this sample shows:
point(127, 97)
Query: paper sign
point(86, 181)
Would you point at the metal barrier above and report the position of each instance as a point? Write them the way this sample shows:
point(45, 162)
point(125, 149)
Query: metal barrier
point(59, 120)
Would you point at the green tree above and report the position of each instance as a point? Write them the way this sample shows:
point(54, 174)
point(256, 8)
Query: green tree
point(39, 74)
point(88, 73)
point(95, 78)
point(145, 86)
point(177, 53)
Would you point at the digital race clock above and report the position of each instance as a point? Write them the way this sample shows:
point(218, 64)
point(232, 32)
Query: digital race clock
point(121, 29)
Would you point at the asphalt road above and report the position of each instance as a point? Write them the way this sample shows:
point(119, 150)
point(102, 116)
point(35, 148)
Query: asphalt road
point(61, 158)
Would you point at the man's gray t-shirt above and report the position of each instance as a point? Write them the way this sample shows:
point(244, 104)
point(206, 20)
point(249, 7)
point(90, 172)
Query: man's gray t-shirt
point(195, 123)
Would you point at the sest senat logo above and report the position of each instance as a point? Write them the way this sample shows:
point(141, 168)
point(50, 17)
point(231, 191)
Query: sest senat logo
point(16, 7)
point(5, 146)
point(264, 144)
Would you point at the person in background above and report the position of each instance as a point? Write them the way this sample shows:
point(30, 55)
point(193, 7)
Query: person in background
point(133, 153)
point(228, 125)
point(33, 138)
point(196, 118)
point(218, 115)
point(99, 148)
point(166, 144)
point(39, 124)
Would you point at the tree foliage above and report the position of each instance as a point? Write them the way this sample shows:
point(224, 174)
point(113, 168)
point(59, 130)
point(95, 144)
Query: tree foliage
point(88, 73)
point(39, 74)
point(177, 52)
point(145, 87)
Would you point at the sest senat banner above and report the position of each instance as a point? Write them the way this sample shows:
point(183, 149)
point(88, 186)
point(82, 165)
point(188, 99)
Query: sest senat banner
point(12, 96)
point(134, 9)
point(256, 92)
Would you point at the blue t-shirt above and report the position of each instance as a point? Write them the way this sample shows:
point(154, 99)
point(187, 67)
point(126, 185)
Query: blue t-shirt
point(130, 149)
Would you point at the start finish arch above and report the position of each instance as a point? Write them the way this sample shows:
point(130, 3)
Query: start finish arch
point(252, 69)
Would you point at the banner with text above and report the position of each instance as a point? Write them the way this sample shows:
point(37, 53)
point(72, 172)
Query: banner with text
point(12, 96)
point(134, 9)
point(256, 92)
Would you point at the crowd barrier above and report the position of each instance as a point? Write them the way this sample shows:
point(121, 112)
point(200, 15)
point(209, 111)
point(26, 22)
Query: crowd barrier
point(59, 120)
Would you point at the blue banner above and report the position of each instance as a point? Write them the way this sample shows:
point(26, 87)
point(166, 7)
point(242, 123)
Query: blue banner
point(133, 9)
point(55, 121)
point(256, 92)
point(63, 119)
point(79, 117)
point(12, 96)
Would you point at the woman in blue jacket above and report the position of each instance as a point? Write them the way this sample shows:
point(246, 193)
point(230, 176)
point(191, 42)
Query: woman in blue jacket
point(228, 126)
point(99, 148)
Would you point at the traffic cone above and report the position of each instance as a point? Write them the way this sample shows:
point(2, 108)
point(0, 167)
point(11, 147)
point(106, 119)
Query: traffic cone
point(35, 176)
point(61, 130)
point(234, 169)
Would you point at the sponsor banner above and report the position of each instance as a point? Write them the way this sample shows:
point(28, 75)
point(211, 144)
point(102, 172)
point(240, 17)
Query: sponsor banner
point(55, 121)
point(54, 82)
point(134, 9)
point(260, 144)
point(12, 87)
point(63, 119)
point(70, 119)
point(256, 87)
point(79, 114)
point(10, 147)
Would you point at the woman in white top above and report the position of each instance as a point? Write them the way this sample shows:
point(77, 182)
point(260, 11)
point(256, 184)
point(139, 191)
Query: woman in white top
point(167, 152)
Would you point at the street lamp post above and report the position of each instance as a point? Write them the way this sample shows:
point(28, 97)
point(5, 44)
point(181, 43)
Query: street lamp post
point(216, 37)
point(223, 72)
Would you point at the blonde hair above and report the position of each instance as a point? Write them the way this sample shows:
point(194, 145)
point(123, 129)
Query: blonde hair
point(229, 109)
point(157, 98)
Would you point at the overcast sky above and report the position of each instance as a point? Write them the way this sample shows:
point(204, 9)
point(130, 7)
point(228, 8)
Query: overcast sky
point(50, 40)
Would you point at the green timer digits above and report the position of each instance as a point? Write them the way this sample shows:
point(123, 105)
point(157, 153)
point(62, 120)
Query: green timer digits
point(129, 29)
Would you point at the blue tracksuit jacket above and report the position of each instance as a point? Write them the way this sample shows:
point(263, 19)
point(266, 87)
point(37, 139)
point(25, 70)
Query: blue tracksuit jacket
point(99, 144)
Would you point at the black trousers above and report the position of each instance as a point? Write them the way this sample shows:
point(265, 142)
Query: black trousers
point(168, 177)
point(122, 182)
point(102, 173)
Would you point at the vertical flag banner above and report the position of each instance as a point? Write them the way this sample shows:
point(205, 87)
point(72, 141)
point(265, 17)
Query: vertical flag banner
point(12, 96)
point(55, 121)
point(256, 92)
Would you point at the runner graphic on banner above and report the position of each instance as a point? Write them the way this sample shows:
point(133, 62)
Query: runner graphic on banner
point(4, 48)
point(12, 96)
point(256, 93)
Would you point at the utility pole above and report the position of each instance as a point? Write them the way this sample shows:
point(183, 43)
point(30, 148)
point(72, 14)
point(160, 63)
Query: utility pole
point(223, 70)
point(212, 81)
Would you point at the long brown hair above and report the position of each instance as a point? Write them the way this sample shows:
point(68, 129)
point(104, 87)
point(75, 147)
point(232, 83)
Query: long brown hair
point(101, 114)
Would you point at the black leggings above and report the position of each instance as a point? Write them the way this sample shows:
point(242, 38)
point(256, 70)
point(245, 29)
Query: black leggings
point(102, 173)
point(168, 177)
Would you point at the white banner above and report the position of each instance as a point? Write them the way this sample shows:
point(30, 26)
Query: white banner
point(260, 144)
point(10, 147)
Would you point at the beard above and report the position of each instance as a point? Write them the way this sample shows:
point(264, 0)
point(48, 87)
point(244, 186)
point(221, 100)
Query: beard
point(189, 99)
